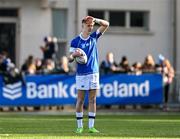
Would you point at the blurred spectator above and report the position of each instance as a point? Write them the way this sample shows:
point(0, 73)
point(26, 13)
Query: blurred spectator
point(48, 67)
point(124, 65)
point(32, 67)
point(159, 64)
point(29, 66)
point(39, 66)
point(5, 62)
point(168, 75)
point(109, 65)
point(63, 66)
point(8, 70)
point(149, 64)
point(137, 68)
point(24, 66)
point(49, 47)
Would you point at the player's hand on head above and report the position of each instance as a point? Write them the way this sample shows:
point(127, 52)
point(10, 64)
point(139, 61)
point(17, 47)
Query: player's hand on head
point(89, 19)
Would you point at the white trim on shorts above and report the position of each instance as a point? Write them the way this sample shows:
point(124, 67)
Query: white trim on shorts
point(87, 82)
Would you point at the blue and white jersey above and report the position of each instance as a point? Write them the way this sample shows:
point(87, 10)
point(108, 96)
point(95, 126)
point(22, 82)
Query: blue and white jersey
point(88, 45)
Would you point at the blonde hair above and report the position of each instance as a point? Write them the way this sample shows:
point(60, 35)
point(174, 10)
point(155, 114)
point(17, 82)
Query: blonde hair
point(167, 63)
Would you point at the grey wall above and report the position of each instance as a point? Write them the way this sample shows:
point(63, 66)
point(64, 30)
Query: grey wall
point(178, 37)
point(136, 46)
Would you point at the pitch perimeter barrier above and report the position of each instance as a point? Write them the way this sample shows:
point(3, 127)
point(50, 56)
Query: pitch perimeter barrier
point(61, 90)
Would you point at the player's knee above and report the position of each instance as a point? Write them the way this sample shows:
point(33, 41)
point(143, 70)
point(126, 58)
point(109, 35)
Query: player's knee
point(92, 100)
point(80, 102)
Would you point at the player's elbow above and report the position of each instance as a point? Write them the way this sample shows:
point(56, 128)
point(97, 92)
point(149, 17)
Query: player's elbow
point(107, 24)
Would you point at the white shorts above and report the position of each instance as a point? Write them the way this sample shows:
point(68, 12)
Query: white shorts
point(87, 82)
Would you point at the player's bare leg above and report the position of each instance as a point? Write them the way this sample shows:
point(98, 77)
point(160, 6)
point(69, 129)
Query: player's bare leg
point(79, 110)
point(92, 110)
point(92, 100)
point(80, 101)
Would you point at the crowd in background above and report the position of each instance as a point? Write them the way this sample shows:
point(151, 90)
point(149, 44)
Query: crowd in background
point(163, 66)
point(148, 66)
point(50, 64)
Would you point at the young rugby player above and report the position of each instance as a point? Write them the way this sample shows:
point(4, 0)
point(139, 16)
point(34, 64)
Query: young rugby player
point(87, 75)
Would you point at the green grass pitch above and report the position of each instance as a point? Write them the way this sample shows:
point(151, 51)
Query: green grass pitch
point(17, 126)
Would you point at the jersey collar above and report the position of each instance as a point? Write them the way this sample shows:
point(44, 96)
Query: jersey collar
point(85, 39)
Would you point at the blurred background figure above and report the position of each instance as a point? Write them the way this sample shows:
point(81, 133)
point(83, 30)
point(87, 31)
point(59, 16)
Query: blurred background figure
point(49, 47)
point(5, 62)
point(124, 65)
point(48, 67)
point(10, 73)
point(159, 64)
point(137, 68)
point(109, 65)
point(8, 70)
point(29, 66)
point(63, 66)
point(168, 76)
point(39, 65)
point(149, 64)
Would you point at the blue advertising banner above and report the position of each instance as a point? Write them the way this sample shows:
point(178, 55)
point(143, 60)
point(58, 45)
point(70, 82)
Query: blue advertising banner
point(61, 90)
point(131, 89)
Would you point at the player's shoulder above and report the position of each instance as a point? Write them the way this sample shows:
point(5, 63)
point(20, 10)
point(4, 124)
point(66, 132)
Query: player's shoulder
point(75, 41)
point(95, 34)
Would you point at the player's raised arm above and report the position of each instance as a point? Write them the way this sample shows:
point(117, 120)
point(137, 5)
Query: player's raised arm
point(103, 24)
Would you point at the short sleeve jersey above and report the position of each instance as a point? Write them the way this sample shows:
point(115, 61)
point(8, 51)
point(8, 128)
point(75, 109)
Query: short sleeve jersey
point(88, 45)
